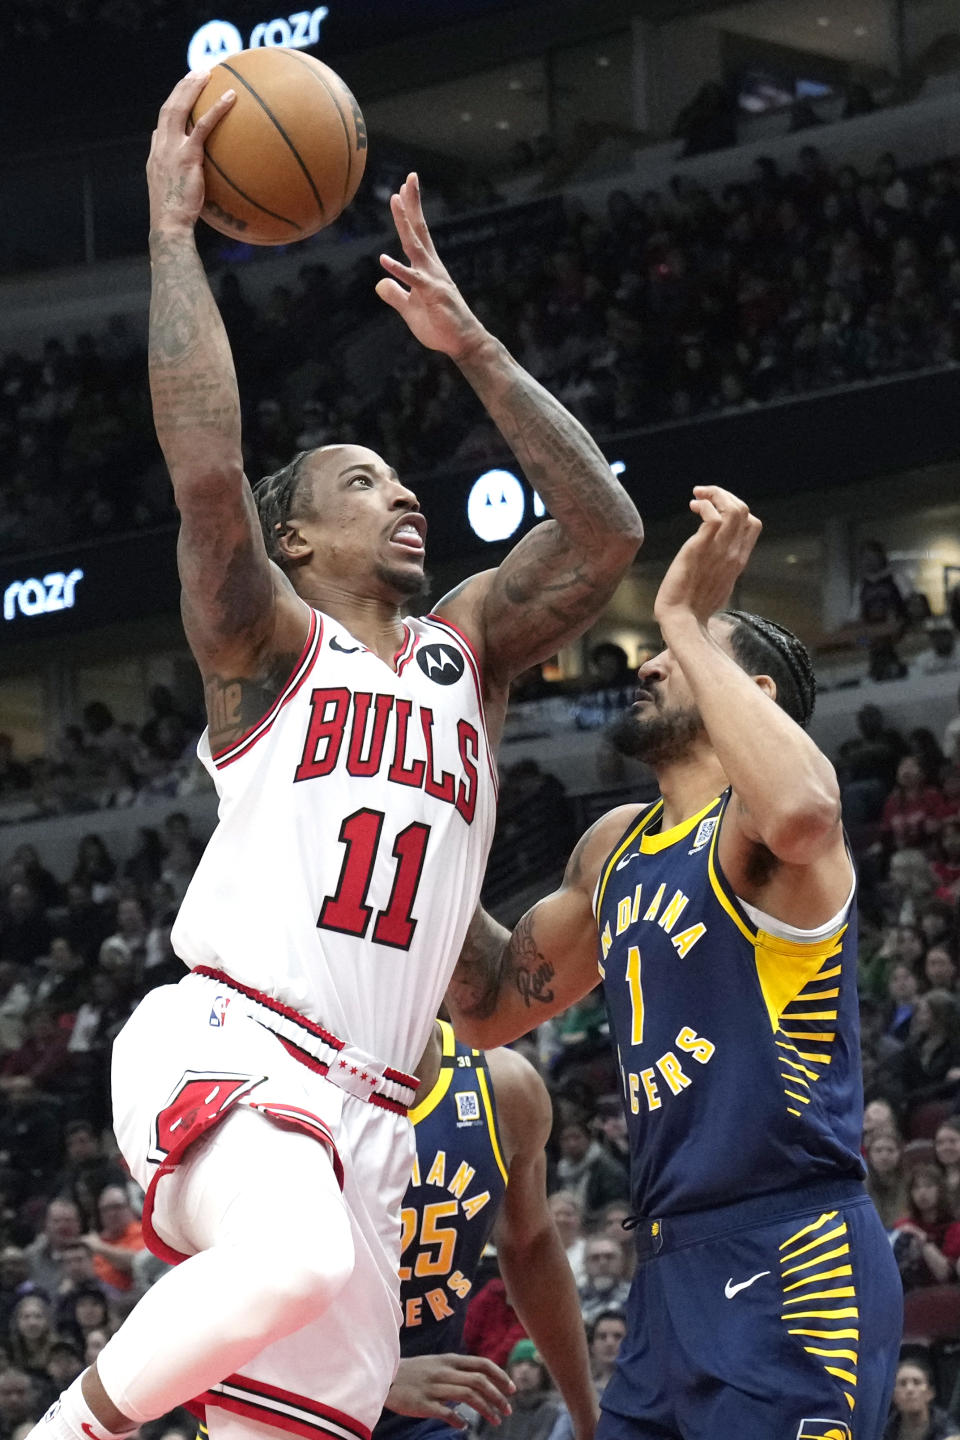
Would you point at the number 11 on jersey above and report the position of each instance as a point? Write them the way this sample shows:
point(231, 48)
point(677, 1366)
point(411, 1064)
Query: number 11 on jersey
point(347, 910)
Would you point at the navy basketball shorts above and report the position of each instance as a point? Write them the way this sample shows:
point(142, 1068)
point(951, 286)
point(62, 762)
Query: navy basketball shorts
point(776, 1318)
point(408, 1427)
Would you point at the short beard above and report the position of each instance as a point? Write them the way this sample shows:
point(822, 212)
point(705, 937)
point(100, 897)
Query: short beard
point(659, 739)
point(407, 583)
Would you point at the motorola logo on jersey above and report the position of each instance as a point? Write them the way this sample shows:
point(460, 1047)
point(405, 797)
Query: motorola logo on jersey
point(441, 663)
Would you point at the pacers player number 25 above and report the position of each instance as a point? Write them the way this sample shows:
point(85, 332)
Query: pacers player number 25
point(431, 1233)
point(347, 910)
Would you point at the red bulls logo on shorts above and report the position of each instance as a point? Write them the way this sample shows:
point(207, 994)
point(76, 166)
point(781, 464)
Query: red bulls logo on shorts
point(199, 1100)
point(824, 1430)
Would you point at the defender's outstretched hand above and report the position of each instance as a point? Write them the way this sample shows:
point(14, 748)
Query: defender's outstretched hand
point(175, 163)
point(431, 1385)
point(422, 291)
point(702, 576)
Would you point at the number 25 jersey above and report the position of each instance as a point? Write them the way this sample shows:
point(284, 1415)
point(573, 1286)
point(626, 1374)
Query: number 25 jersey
point(354, 823)
point(737, 1036)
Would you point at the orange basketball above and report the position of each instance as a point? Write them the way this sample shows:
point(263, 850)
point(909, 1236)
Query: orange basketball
point(289, 154)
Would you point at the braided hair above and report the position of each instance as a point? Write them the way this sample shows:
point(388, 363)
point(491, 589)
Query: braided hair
point(762, 647)
point(274, 497)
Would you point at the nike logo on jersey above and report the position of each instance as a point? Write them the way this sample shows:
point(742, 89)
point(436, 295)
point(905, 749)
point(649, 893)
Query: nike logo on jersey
point(730, 1289)
point(626, 860)
point(343, 649)
point(89, 1430)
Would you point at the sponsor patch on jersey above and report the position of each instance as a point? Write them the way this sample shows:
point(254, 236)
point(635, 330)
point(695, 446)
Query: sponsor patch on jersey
point(704, 830)
point(468, 1106)
point(441, 663)
point(218, 1011)
point(824, 1430)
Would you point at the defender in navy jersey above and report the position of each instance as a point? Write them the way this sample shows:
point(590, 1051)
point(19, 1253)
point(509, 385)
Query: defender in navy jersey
point(481, 1124)
point(722, 922)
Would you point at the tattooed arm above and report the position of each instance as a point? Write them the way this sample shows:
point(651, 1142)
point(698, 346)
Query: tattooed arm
point(241, 616)
point(506, 983)
point(557, 580)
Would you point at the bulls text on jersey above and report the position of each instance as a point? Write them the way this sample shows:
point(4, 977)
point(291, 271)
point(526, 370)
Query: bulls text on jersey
point(361, 721)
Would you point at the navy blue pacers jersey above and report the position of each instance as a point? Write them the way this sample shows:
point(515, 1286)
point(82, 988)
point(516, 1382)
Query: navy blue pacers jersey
point(452, 1201)
point(737, 1036)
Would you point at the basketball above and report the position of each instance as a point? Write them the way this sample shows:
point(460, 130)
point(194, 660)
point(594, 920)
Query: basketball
point(288, 156)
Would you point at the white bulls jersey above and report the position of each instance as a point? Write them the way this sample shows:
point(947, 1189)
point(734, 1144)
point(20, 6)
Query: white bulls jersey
point(355, 821)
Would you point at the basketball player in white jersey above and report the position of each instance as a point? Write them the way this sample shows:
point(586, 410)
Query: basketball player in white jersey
point(261, 1102)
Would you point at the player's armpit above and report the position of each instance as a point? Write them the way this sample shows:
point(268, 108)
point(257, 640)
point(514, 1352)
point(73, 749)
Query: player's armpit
point(805, 894)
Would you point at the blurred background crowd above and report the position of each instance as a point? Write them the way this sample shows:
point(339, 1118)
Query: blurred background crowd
point(671, 304)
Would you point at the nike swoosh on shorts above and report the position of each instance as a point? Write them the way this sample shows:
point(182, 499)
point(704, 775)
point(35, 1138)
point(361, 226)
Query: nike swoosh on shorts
point(730, 1289)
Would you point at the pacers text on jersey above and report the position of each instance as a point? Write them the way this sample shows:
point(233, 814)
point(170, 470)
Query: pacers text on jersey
point(667, 1071)
point(438, 1237)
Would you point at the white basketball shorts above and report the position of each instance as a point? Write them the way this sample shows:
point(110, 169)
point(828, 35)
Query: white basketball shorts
point(187, 1055)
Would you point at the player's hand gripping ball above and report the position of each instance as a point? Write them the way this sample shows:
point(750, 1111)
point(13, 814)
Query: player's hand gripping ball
point(288, 156)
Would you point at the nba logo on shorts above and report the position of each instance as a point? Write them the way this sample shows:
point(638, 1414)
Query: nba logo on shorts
point(218, 1011)
point(468, 1106)
point(824, 1430)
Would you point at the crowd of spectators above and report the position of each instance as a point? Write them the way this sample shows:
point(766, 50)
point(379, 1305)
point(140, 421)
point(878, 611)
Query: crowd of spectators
point(670, 305)
point(78, 950)
point(101, 764)
point(902, 805)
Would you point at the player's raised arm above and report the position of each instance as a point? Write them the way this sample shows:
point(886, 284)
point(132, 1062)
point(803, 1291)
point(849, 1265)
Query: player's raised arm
point(786, 801)
point(504, 983)
point(533, 1262)
point(230, 589)
point(559, 577)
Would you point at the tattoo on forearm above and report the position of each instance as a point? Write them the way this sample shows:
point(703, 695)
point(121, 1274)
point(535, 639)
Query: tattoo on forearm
point(563, 572)
point(474, 985)
point(558, 456)
point(531, 972)
point(192, 381)
point(535, 984)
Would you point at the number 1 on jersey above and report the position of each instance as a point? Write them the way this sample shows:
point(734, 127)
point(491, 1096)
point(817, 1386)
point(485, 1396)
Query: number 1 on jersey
point(346, 910)
point(636, 995)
